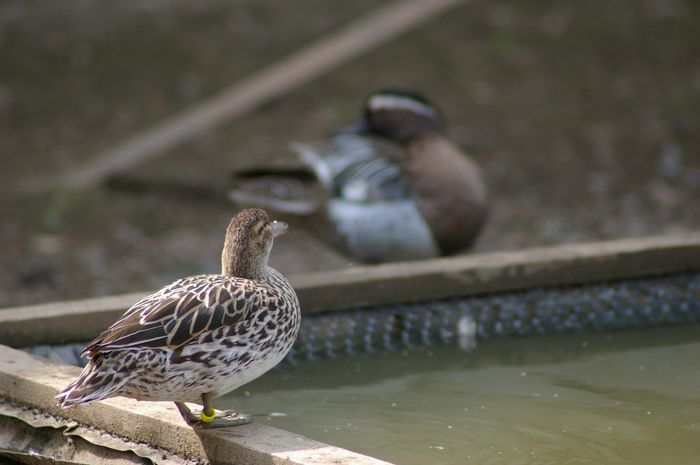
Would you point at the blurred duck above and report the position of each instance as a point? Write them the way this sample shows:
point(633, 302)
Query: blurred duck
point(393, 185)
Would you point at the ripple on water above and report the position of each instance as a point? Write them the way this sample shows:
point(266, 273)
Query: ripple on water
point(583, 399)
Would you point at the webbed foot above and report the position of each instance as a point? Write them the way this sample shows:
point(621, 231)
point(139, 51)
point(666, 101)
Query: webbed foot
point(223, 419)
point(219, 419)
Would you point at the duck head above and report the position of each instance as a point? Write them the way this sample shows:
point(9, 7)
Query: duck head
point(248, 243)
point(398, 115)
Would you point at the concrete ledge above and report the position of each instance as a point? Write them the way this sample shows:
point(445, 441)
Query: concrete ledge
point(34, 381)
point(498, 272)
point(397, 282)
point(34, 437)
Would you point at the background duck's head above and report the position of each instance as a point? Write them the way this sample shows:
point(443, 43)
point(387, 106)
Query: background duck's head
point(248, 243)
point(399, 115)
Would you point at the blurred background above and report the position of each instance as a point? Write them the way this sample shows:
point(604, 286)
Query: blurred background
point(584, 116)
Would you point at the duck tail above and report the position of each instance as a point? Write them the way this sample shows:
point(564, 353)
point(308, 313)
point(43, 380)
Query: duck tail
point(290, 190)
point(96, 382)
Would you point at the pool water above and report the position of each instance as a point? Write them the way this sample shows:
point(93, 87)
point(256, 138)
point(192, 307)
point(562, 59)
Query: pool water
point(627, 397)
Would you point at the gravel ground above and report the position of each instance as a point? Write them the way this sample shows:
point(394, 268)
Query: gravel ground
point(584, 116)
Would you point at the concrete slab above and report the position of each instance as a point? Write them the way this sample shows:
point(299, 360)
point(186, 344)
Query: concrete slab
point(35, 381)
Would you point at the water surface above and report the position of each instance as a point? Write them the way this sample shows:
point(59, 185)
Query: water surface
point(626, 397)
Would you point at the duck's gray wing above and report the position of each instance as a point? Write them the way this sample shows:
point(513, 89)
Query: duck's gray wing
point(183, 311)
point(357, 168)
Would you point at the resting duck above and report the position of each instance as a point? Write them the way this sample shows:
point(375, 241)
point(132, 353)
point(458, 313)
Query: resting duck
point(199, 337)
point(395, 187)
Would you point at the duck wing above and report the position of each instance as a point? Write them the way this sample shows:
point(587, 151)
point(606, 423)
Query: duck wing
point(357, 168)
point(182, 311)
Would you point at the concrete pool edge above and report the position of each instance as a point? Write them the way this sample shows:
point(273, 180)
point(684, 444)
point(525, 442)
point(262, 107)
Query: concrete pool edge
point(361, 286)
point(33, 381)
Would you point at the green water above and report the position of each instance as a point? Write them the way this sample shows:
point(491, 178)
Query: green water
point(628, 397)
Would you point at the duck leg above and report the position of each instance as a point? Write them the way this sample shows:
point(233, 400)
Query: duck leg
point(210, 418)
point(187, 415)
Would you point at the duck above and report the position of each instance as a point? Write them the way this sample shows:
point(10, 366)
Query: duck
point(201, 336)
point(393, 186)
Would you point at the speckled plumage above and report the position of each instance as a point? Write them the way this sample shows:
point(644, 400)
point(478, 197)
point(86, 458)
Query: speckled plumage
point(200, 335)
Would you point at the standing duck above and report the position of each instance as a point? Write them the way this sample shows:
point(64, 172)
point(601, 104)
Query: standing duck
point(201, 336)
point(395, 187)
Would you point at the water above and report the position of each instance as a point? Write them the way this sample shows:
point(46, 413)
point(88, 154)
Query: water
point(628, 397)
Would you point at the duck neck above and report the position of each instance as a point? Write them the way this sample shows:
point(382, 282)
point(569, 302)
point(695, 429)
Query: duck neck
point(238, 261)
point(411, 136)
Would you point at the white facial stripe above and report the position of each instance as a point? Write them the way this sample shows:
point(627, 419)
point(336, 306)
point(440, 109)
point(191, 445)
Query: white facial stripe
point(394, 102)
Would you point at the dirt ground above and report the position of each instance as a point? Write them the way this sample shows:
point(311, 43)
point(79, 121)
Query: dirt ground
point(585, 117)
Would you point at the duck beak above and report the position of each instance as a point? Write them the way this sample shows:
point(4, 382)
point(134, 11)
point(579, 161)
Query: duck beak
point(278, 228)
point(358, 127)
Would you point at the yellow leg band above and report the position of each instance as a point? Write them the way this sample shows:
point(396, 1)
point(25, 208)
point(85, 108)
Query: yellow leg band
point(207, 418)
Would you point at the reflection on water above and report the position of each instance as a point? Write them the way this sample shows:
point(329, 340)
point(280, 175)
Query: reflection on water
point(626, 397)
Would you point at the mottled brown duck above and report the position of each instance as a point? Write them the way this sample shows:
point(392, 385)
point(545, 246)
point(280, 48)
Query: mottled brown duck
point(201, 336)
